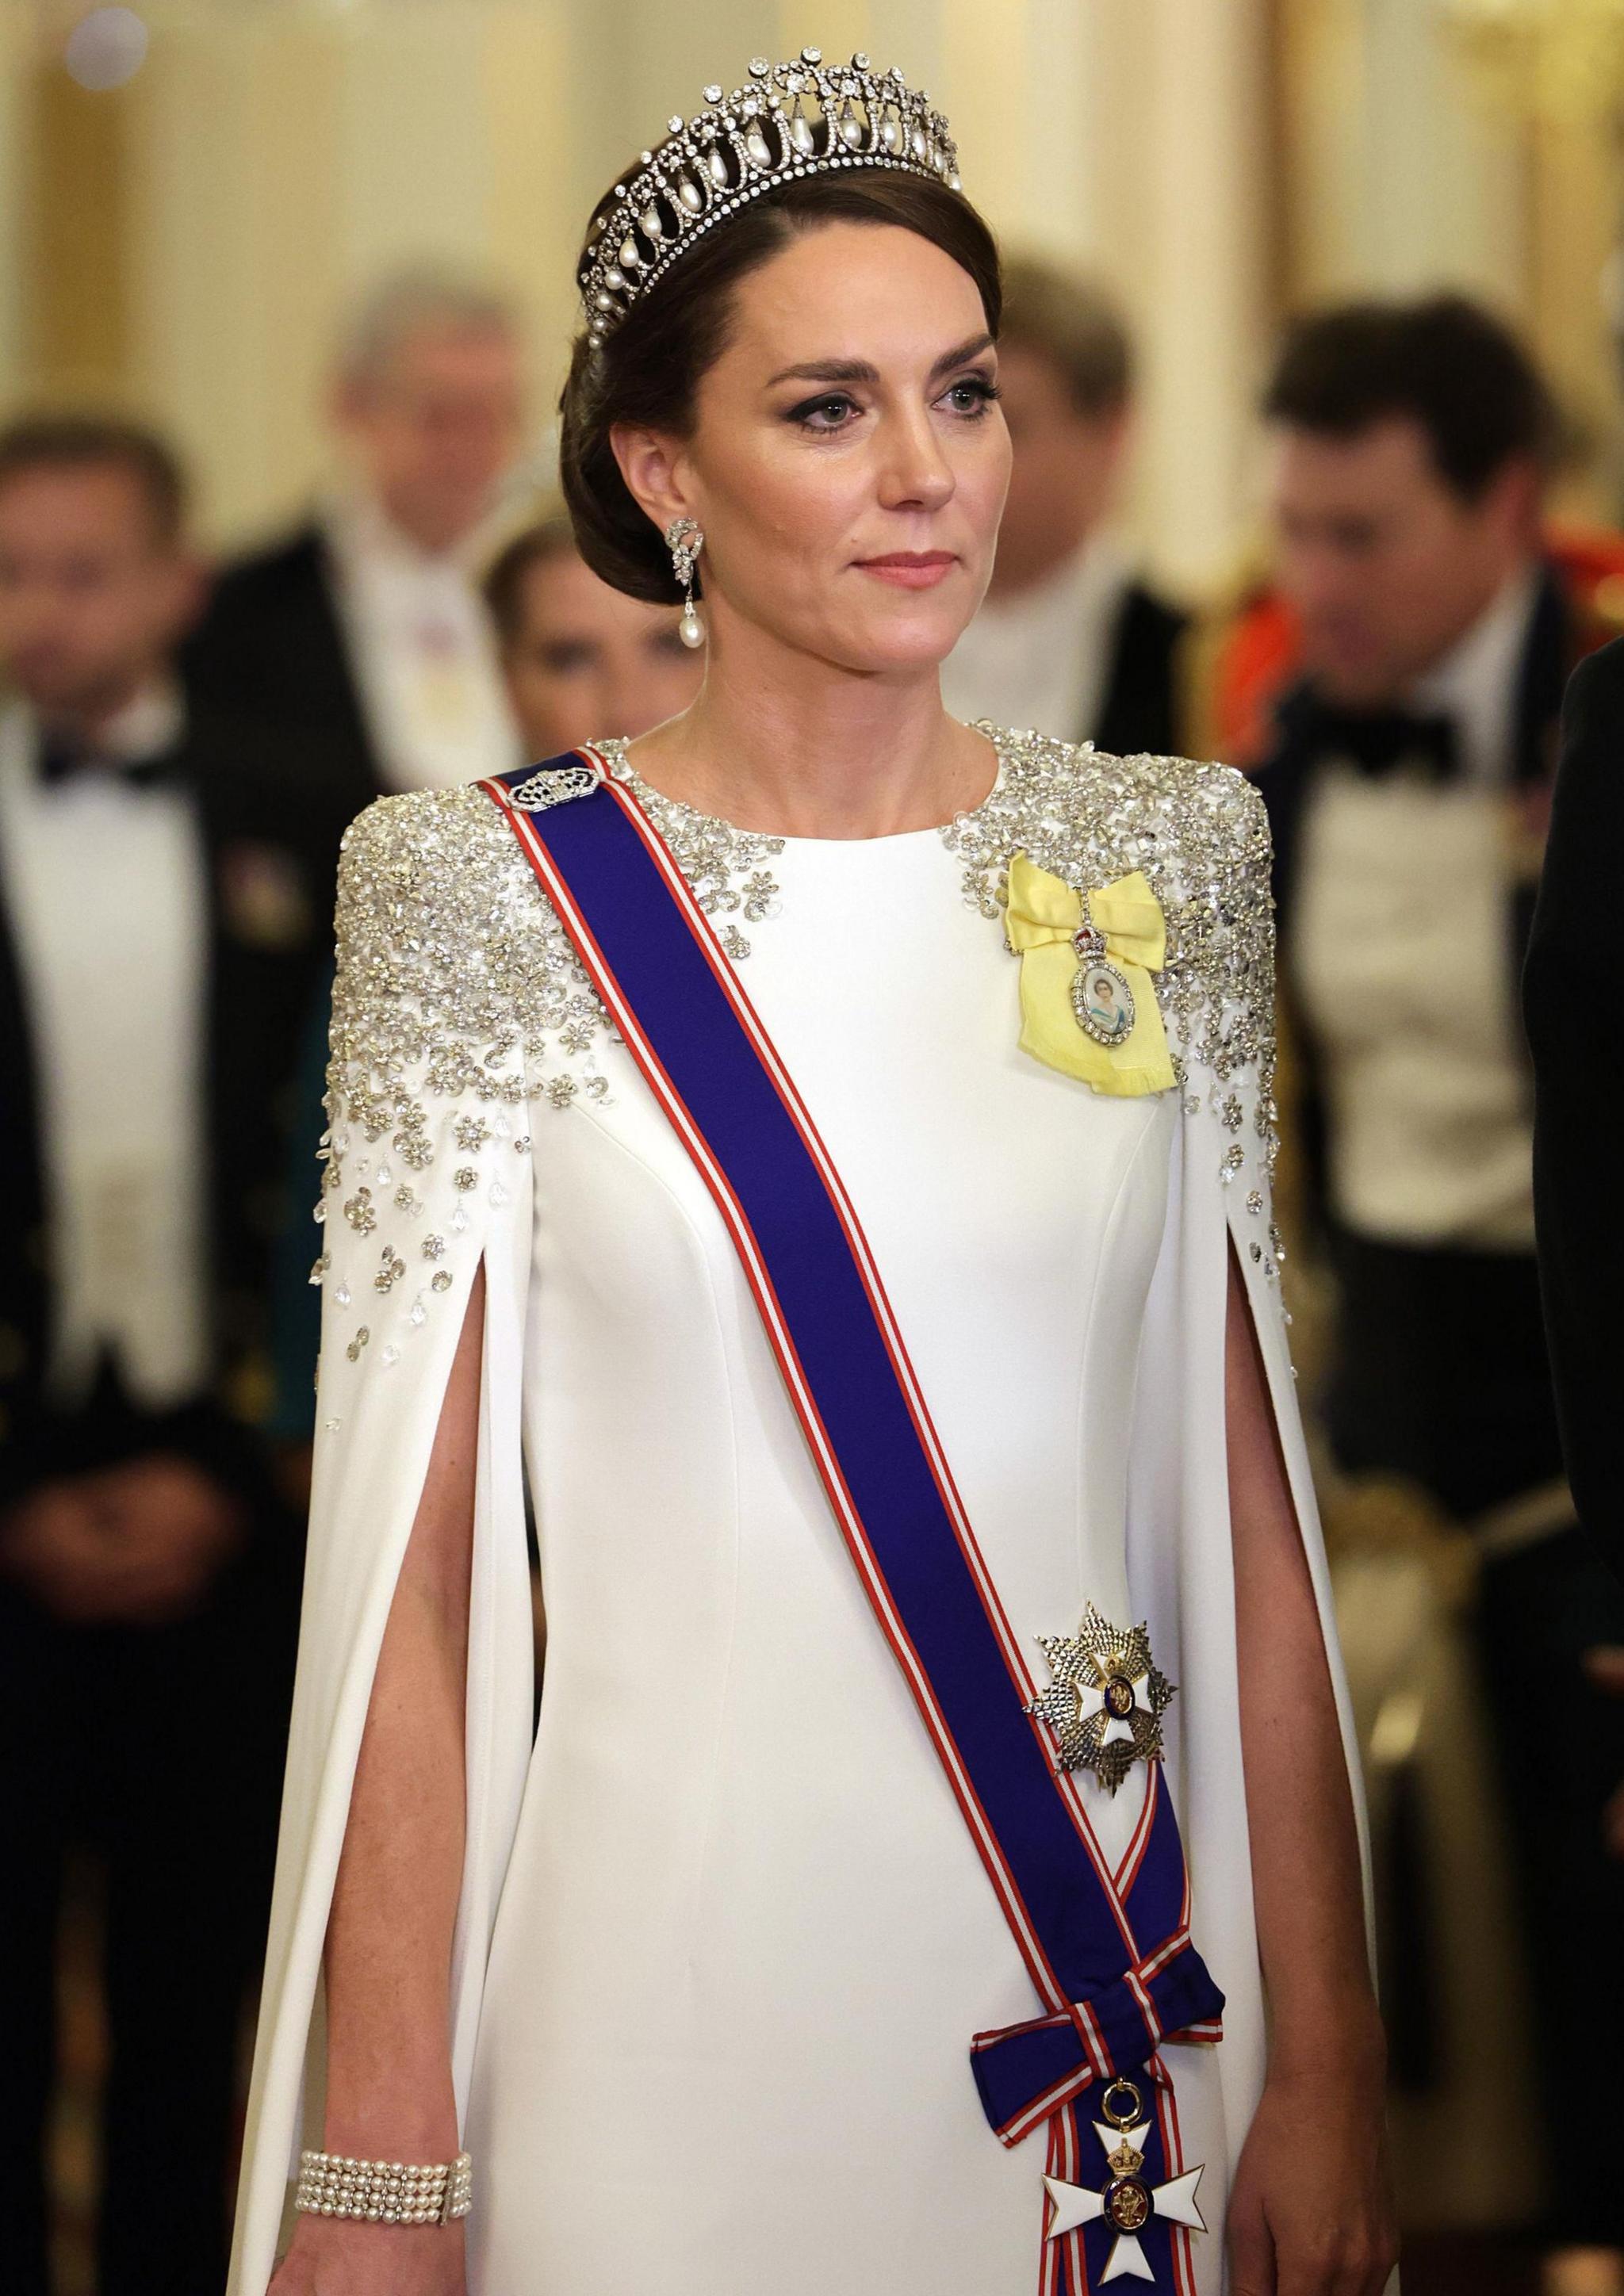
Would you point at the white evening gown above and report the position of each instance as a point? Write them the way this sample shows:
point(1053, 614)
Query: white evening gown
point(724, 1939)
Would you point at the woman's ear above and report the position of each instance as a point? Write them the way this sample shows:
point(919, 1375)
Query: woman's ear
point(652, 465)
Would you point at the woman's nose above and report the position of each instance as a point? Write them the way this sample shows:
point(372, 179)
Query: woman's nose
point(916, 473)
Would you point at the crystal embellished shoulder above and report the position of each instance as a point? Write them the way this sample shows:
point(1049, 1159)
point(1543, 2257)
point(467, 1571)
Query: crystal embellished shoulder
point(1199, 834)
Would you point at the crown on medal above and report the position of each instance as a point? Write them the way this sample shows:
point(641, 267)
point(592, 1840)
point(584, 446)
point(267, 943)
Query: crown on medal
point(801, 119)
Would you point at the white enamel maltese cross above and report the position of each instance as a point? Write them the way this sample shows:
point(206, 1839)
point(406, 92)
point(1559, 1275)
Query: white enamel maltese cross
point(1128, 2204)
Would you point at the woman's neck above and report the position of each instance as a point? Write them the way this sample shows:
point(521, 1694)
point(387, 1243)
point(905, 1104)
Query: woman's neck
point(822, 753)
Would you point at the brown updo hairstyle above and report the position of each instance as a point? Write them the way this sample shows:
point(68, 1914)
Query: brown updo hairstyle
point(648, 369)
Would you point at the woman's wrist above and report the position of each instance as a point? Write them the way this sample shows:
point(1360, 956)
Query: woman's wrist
point(1339, 2042)
point(379, 2135)
point(393, 2122)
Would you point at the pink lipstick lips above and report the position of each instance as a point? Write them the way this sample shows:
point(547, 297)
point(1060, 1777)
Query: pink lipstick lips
point(911, 569)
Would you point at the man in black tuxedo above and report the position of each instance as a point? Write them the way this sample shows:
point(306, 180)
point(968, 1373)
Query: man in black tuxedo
point(1071, 639)
point(1407, 791)
point(360, 636)
point(165, 892)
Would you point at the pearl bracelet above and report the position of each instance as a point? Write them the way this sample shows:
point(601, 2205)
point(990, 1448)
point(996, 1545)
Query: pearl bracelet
point(384, 2192)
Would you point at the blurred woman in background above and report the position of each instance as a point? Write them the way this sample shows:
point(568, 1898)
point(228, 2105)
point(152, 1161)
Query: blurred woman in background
point(581, 660)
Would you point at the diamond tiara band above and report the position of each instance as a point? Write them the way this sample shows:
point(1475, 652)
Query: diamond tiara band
point(787, 120)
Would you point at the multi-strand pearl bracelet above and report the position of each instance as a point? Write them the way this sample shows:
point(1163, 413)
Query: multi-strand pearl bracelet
point(384, 2192)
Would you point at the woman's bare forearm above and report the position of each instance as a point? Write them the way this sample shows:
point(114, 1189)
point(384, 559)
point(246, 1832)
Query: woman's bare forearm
point(394, 1908)
point(1305, 1857)
point(1310, 2209)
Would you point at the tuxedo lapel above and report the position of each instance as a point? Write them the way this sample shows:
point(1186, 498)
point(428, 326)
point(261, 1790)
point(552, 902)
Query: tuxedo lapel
point(1549, 657)
point(1550, 654)
point(328, 670)
point(1138, 712)
point(271, 653)
point(269, 830)
point(24, 1310)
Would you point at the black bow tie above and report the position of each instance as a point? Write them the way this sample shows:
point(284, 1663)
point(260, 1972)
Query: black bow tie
point(61, 760)
point(1376, 740)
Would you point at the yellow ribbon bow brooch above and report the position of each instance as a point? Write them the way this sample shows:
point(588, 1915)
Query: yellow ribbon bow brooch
point(1088, 1004)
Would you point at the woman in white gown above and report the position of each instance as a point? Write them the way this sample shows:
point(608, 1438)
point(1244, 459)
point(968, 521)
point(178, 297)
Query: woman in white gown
point(694, 1976)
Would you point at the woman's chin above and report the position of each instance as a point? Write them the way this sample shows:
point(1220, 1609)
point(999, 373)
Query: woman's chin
point(915, 634)
point(900, 634)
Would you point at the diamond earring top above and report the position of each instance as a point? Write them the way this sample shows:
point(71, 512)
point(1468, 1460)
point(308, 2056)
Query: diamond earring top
point(685, 540)
point(789, 119)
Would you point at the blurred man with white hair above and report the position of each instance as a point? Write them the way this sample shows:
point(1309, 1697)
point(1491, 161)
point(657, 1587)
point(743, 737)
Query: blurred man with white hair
point(361, 635)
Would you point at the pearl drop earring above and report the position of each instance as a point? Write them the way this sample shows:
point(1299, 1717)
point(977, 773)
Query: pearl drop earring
point(685, 541)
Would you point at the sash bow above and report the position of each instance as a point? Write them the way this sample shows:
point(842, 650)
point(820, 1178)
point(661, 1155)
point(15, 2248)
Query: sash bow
point(1028, 2071)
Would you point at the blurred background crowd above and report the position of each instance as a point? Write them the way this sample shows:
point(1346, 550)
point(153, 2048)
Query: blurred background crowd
point(1313, 365)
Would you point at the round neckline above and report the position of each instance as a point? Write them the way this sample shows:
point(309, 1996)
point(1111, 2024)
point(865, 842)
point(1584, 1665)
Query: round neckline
point(615, 754)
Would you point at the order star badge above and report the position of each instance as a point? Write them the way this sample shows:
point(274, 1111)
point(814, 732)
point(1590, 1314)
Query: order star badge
point(1106, 1700)
point(1128, 2204)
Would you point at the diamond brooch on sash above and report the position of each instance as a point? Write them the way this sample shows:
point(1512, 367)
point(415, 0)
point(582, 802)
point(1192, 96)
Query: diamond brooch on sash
point(556, 785)
point(1106, 1700)
point(1128, 2204)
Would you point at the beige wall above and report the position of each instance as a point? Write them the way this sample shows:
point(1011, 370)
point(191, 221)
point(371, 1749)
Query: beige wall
point(284, 157)
point(274, 158)
point(1411, 165)
point(1211, 158)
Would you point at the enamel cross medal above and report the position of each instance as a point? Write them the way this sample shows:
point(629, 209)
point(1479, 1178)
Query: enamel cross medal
point(1127, 2204)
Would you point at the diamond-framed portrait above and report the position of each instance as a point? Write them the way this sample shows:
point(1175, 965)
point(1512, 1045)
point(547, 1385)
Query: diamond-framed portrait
point(1102, 1001)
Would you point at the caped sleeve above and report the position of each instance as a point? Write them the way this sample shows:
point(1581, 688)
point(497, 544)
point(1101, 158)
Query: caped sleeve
point(459, 1018)
point(1204, 833)
point(427, 1090)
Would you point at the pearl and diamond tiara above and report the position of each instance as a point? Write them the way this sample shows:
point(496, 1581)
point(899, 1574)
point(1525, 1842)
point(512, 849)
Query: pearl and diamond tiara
point(744, 144)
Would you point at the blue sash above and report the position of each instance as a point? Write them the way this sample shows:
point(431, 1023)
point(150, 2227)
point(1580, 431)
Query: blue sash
point(1108, 1953)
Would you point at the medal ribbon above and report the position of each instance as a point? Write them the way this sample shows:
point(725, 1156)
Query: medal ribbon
point(1108, 1953)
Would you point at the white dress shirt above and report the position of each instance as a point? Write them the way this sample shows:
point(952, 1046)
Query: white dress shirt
point(1476, 682)
point(420, 646)
point(106, 889)
point(1400, 950)
point(1042, 658)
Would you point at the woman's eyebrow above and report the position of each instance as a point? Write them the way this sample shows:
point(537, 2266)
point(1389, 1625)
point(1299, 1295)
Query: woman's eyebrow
point(971, 349)
point(847, 369)
point(830, 370)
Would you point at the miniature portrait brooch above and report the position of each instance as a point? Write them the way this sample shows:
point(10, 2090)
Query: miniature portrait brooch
point(1088, 1002)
